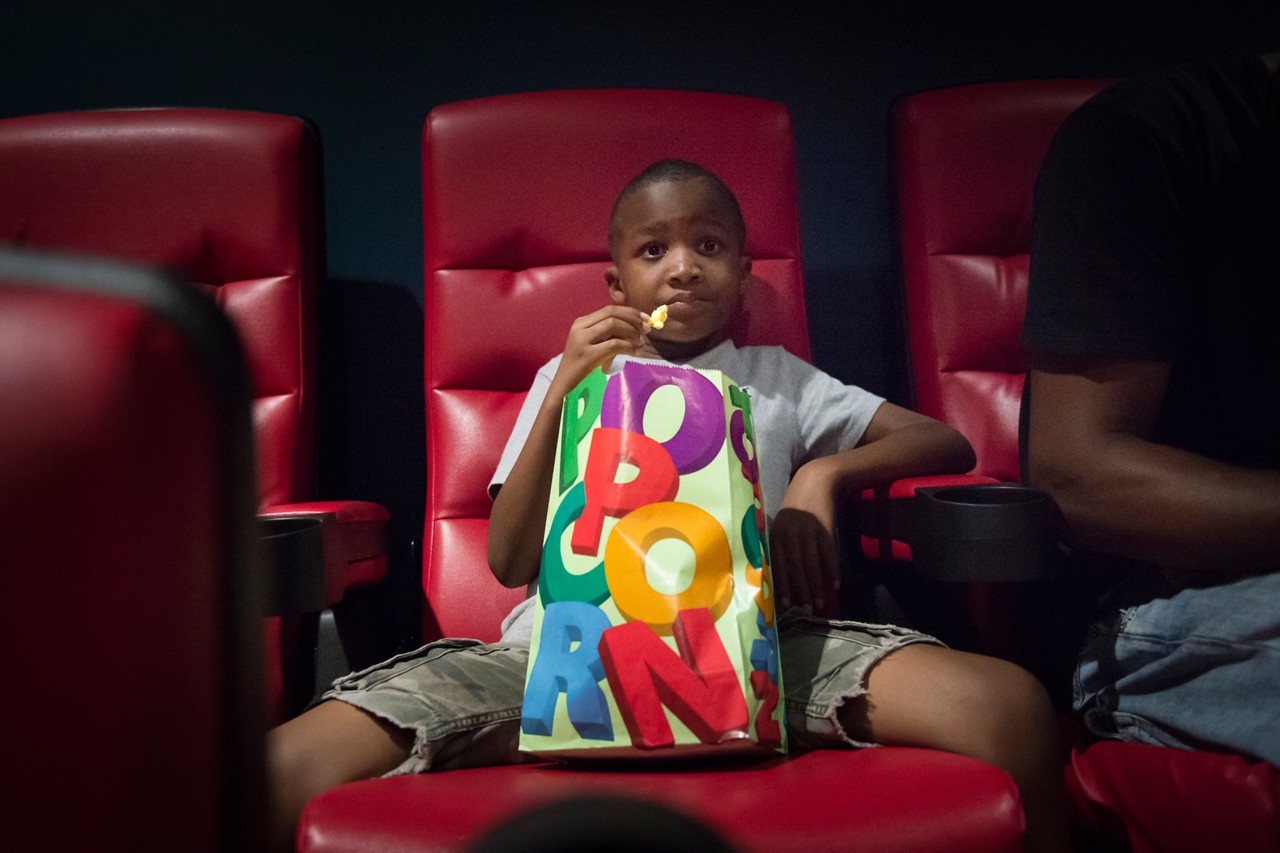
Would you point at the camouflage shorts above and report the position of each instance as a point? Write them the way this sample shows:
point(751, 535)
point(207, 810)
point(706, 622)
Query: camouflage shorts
point(462, 698)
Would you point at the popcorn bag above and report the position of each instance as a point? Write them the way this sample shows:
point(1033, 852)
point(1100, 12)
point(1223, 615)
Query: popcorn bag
point(654, 631)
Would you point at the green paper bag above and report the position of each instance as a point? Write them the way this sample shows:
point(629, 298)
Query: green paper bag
point(654, 631)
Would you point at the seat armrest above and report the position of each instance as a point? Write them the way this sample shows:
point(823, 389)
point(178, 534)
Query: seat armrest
point(965, 528)
point(353, 542)
point(885, 518)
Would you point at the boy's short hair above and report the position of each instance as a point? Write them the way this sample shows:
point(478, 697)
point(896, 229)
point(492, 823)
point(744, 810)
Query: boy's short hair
point(682, 170)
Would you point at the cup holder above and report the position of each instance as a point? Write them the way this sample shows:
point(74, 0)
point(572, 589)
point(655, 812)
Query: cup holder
point(295, 555)
point(984, 532)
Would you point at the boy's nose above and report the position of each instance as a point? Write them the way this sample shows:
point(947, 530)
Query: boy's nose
point(683, 266)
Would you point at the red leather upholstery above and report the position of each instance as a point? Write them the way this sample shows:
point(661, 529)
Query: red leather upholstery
point(877, 799)
point(967, 158)
point(964, 219)
point(229, 200)
point(965, 162)
point(1159, 800)
point(131, 625)
point(517, 197)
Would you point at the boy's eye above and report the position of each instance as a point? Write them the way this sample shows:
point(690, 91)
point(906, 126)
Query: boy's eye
point(652, 250)
point(710, 246)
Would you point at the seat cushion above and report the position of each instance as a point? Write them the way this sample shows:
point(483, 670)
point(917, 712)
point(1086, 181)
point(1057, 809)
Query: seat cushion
point(1164, 799)
point(873, 799)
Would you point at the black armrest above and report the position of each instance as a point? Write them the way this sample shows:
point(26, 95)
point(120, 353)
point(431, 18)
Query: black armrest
point(983, 533)
point(295, 555)
point(964, 532)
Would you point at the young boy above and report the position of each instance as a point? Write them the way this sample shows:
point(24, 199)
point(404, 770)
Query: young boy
point(677, 238)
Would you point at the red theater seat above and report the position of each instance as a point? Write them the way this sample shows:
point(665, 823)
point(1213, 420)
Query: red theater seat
point(132, 613)
point(230, 201)
point(517, 193)
point(966, 161)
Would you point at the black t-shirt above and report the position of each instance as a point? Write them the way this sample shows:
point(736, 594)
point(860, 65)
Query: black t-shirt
point(1156, 236)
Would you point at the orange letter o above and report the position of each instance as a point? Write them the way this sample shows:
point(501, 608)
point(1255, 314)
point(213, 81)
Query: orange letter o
point(629, 543)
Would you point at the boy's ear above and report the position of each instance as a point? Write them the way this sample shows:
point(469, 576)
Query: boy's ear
point(614, 281)
point(746, 274)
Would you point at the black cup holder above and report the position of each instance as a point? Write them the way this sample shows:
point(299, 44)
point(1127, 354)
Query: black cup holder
point(295, 555)
point(984, 532)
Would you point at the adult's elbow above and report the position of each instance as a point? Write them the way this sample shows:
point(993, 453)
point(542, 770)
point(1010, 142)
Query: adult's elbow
point(1050, 473)
point(1071, 490)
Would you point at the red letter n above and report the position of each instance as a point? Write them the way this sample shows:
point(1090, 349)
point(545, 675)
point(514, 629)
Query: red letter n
point(699, 684)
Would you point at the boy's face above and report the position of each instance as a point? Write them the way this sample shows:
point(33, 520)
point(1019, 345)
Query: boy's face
point(675, 245)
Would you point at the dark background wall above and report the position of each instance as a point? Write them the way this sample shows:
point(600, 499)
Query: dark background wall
point(366, 73)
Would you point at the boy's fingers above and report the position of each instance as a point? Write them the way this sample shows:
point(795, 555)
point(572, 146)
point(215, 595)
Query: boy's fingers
point(813, 574)
point(803, 597)
point(787, 562)
point(796, 571)
point(614, 321)
point(598, 338)
point(818, 588)
point(829, 563)
point(614, 347)
point(624, 331)
point(821, 562)
point(781, 589)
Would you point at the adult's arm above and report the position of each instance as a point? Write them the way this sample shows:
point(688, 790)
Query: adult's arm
point(1090, 446)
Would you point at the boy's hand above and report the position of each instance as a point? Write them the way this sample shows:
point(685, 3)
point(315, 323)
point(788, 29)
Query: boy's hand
point(594, 341)
point(802, 543)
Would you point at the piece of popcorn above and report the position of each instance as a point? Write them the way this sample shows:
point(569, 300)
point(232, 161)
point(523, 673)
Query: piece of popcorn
point(658, 318)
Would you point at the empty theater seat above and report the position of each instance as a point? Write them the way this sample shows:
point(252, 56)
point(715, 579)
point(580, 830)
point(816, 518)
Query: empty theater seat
point(230, 201)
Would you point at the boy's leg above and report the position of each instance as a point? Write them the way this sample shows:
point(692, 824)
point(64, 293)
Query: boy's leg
point(848, 683)
point(982, 707)
point(328, 745)
point(454, 703)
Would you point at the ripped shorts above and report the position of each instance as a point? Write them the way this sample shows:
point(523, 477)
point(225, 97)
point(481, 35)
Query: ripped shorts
point(462, 698)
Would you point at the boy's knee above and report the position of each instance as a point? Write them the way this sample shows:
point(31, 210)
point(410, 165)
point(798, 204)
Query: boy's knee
point(1019, 688)
point(328, 746)
point(1016, 712)
point(964, 702)
point(289, 760)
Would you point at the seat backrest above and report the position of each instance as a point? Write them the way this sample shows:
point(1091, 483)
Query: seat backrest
point(224, 198)
point(132, 609)
point(517, 191)
point(966, 160)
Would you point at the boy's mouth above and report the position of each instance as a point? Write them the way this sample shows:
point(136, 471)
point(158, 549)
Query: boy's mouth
point(679, 307)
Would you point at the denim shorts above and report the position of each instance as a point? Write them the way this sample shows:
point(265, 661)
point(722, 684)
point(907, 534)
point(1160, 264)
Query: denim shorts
point(1187, 666)
point(462, 698)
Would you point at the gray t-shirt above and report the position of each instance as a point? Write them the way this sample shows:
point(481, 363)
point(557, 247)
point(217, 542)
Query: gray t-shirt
point(799, 413)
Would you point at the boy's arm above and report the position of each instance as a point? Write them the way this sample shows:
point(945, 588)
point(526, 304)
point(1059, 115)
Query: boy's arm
point(897, 443)
point(519, 511)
